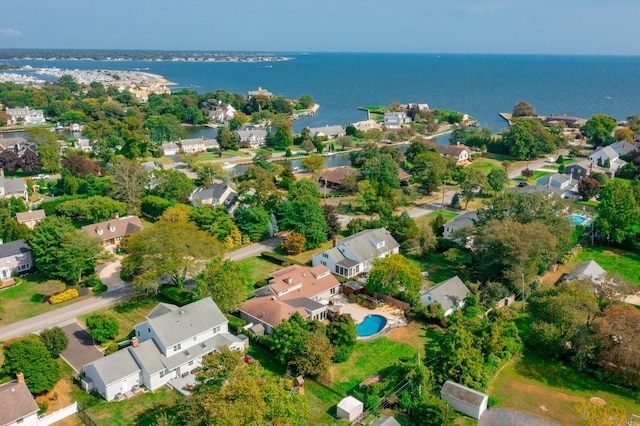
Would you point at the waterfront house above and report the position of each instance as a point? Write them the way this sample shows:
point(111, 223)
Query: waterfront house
point(331, 132)
point(460, 153)
point(334, 178)
point(30, 218)
point(366, 125)
point(192, 146)
point(12, 144)
point(294, 289)
point(465, 400)
point(82, 145)
point(16, 188)
point(251, 138)
point(354, 255)
point(568, 120)
point(111, 232)
point(607, 158)
point(259, 92)
point(222, 113)
point(169, 345)
point(169, 149)
point(24, 115)
point(450, 294)
point(584, 168)
point(214, 195)
point(18, 405)
point(623, 147)
point(394, 120)
point(589, 271)
point(15, 256)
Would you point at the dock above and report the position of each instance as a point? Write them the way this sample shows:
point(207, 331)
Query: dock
point(507, 116)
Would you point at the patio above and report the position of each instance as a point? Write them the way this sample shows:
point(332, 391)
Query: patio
point(395, 317)
point(183, 384)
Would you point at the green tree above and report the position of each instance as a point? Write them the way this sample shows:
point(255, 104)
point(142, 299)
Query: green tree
point(617, 211)
point(294, 243)
point(172, 185)
point(393, 275)
point(129, 182)
point(215, 220)
point(382, 170)
point(303, 187)
point(330, 213)
point(437, 225)
point(342, 336)
point(164, 128)
point(497, 179)
point(176, 249)
point(55, 340)
point(30, 357)
point(527, 139)
point(223, 281)
point(154, 206)
point(313, 163)
point(599, 129)
point(305, 216)
point(102, 327)
point(430, 169)
point(226, 138)
point(472, 180)
point(524, 109)
point(253, 221)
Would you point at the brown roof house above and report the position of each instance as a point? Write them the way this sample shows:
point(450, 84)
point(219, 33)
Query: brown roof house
point(18, 405)
point(334, 178)
point(31, 218)
point(460, 153)
point(111, 232)
point(300, 289)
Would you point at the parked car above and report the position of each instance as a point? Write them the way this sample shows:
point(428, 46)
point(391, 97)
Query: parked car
point(523, 184)
point(41, 177)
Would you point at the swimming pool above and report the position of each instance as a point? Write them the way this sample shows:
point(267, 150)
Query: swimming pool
point(577, 220)
point(372, 324)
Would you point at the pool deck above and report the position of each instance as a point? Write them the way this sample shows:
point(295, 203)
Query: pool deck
point(395, 317)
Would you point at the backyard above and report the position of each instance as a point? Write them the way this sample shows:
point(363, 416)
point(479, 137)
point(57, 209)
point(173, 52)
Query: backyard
point(550, 389)
point(255, 269)
point(617, 262)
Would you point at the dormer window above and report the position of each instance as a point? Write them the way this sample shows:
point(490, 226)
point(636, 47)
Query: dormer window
point(112, 228)
point(380, 244)
point(99, 231)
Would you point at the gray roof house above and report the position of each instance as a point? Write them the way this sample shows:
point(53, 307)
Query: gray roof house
point(394, 120)
point(607, 153)
point(16, 188)
point(331, 132)
point(251, 138)
point(450, 294)
point(169, 345)
point(562, 185)
point(583, 168)
point(589, 270)
point(18, 405)
point(15, 256)
point(216, 194)
point(465, 400)
point(459, 222)
point(355, 254)
point(170, 148)
point(623, 147)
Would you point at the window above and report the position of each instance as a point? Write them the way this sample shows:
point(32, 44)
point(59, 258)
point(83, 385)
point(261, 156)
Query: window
point(380, 244)
point(325, 255)
point(216, 329)
point(177, 347)
point(21, 256)
point(191, 363)
point(322, 262)
point(195, 338)
point(334, 290)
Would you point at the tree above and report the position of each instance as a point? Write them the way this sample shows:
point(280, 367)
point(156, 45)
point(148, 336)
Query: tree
point(60, 251)
point(94, 209)
point(129, 182)
point(49, 153)
point(223, 281)
point(303, 187)
point(294, 243)
point(472, 180)
point(80, 165)
point(164, 128)
point(430, 169)
point(51, 287)
point(437, 225)
point(623, 134)
point(215, 220)
point(588, 188)
point(253, 221)
point(226, 138)
point(393, 275)
point(382, 170)
point(30, 161)
point(527, 139)
point(305, 102)
point(30, 357)
point(426, 241)
point(524, 109)
point(598, 129)
point(342, 336)
point(172, 249)
point(55, 340)
point(308, 146)
point(10, 161)
point(313, 163)
point(102, 327)
point(172, 185)
point(497, 179)
point(617, 211)
point(331, 217)
point(305, 216)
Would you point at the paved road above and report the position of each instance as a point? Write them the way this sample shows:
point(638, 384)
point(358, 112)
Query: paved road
point(255, 249)
point(536, 164)
point(64, 315)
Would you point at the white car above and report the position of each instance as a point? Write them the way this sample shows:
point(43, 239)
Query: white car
point(550, 160)
point(41, 177)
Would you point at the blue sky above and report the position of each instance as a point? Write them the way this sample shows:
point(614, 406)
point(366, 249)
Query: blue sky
point(444, 26)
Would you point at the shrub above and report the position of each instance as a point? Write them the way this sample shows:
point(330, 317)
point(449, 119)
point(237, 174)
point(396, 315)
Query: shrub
point(111, 348)
point(69, 294)
point(294, 243)
point(99, 288)
point(176, 295)
point(55, 340)
point(493, 401)
point(51, 287)
point(279, 259)
point(102, 327)
point(92, 280)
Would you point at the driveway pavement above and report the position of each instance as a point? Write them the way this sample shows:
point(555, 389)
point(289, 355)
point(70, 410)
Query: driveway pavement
point(110, 274)
point(498, 417)
point(81, 349)
point(255, 249)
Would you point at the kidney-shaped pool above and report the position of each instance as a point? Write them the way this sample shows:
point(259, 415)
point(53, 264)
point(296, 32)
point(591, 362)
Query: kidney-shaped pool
point(372, 324)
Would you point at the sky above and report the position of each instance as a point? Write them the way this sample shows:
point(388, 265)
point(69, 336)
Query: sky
point(582, 27)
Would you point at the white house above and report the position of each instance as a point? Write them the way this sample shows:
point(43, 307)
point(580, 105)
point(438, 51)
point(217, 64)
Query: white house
point(216, 194)
point(25, 116)
point(170, 344)
point(465, 400)
point(169, 149)
point(222, 112)
point(82, 145)
point(18, 405)
point(355, 254)
point(394, 120)
point(349, 408)
point(330, 132)
point(251, 138)
point(366, 125)
point(602, 155)
point(460, 153)
point(450, 294)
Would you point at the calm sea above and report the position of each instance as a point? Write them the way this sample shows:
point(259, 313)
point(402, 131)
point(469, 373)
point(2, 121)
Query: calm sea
point(480, 85)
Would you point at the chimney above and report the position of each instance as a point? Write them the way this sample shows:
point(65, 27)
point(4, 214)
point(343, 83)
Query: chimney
point(458, 143)
point(116, 215)
point(335, 242)
point(20, 377)
point(134, 342)
point(289, 280)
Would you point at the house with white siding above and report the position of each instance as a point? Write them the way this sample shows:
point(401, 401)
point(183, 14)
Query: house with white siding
point(170, 344)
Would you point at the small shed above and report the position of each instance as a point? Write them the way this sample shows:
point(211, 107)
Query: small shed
point(465, 400)
point(352, 287)
point(349, 408)
point(385, 421)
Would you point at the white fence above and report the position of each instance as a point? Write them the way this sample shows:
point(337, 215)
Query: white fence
point(48, 419)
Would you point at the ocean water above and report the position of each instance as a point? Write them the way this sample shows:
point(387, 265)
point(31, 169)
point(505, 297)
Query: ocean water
point(480, 85)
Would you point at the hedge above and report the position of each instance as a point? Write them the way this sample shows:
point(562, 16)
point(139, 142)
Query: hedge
point(279, 259)
point(178, 296)
point(68, 294)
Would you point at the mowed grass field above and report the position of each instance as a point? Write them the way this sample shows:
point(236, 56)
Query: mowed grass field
point(550, 389)
point(618, 263)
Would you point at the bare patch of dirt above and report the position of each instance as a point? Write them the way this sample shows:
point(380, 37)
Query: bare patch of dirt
point(597, 401)
point(58, 397)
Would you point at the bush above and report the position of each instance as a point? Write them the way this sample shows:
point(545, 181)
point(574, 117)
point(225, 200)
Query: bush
point(69, 294)
point(362, 301)
point(102, 327)
point(92, 280)
point(51, 287)
point(55, 340)
point(176, 295)
point(279, 259)
point(112, 348)
point(99, 288)
point(294, 243)
point(493, 401)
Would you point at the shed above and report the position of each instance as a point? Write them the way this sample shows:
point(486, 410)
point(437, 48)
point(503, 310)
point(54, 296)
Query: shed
point(385, 421)
point(352, 287)
point(465, 400)
point(349, 408)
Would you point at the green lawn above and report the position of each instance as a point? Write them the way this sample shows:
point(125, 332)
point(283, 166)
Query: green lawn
point(142, 409)
point(532, 382)
point(448, 215)
point(438, 267)
point(23, 301)
point(486, 164)
point(255, 269)
point(537, 174)
point(617, 262)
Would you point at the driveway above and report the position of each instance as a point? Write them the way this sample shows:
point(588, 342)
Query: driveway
point(498, 417)
point(110, 274)
point(255, 249)
point(81, 350)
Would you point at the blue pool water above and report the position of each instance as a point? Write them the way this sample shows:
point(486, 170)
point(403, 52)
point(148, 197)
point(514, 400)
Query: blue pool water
point(372, 324)
point(577, 220)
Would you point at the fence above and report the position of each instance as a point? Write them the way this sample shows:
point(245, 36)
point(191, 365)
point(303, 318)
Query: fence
point(394, 302)
point(56, 416)
point(85, 417)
